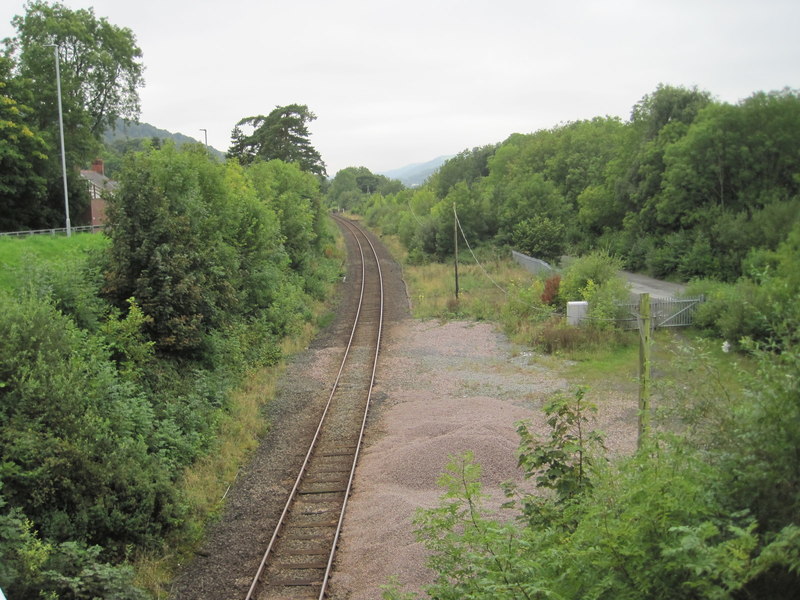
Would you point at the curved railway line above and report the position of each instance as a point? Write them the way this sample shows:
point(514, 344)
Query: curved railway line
point(298, 561)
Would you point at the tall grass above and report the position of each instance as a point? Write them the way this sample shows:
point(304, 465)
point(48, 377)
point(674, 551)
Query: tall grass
point(482, 291)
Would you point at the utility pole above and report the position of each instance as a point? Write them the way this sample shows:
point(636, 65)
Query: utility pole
point(645, 344)
point(455, 242)
point(61, 129)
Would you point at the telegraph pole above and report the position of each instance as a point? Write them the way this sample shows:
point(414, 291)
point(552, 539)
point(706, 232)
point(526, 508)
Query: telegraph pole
point(645, 344)
point(455, 242)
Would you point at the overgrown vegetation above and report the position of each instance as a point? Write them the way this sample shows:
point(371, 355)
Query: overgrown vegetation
point(689, 187)
point(117, 366)
point(708, 514)
point(707, 508)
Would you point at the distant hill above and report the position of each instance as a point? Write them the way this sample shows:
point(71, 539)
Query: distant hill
point(416, 174)
point(132, 131)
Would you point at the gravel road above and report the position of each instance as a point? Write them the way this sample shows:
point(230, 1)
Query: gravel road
point(642, 284)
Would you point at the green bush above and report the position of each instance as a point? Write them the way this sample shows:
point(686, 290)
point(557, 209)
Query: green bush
point(598, 267)
point(540, 237)
point(595, 278)
point(74, 440)
point(761, 307)
point(663, 524)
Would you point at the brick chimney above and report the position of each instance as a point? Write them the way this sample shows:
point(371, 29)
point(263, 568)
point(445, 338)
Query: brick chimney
point(97, 166)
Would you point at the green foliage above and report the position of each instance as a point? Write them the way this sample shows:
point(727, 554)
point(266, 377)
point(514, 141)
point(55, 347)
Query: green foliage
point(524, 302)
point(540, 237)
point(104, 404)
point(76, 459)
point(351, 185)
point(281, 135)
point(685, 189)
point(23, 156)
point(561, 463)
point(466, 167)
point(760, 307)
point(76, 572)
point(100, 71)
point(647, 528)
point(595, 278)
point(294, 197)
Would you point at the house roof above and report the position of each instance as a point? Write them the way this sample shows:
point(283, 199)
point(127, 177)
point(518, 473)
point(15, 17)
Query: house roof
point(101, 181)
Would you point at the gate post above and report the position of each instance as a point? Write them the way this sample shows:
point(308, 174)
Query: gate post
point(645, 343)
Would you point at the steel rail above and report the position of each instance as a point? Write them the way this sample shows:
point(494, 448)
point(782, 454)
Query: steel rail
point(366, 411)
point(354, 230)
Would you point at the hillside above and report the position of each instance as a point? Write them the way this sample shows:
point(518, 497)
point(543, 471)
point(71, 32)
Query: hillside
point(124, 131)
point(415, 174)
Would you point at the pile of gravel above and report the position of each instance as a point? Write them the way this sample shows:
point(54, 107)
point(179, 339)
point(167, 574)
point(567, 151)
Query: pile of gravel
point(446, 389)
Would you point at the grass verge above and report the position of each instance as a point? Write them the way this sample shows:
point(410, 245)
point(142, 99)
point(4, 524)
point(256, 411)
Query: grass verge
point(18, 252)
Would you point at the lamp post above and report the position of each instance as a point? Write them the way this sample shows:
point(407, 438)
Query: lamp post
point(205, 131)
point(61, 129)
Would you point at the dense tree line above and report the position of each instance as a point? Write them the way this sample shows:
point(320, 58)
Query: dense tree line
point(688, 187)
point(113, 375)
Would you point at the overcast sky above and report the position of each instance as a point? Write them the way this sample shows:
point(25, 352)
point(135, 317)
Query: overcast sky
point(394, 83)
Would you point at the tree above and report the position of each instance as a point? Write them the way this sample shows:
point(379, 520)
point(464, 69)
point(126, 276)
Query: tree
point(466, 166)
point(539, 236)
point(23, 156)
point(659, 119)
point(352, 185)
point(100, 64)
point(282, 135)
point(167, 247)
point(294, 196)
point(100, 70)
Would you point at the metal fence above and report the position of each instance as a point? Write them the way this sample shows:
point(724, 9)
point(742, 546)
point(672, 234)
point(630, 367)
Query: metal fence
point(56, 231)
point(664, 312)
point(530, 264)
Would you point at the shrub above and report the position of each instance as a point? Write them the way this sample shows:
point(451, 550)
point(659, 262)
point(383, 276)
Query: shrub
point(551, 289)
point(595, 278)
point(74, 440)
point(598, 267)
point(540, 237)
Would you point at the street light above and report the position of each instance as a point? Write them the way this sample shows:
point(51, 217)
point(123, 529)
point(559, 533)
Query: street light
point(61, 129)
point(205, 131)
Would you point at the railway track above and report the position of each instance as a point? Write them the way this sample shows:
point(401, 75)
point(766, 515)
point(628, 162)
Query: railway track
point(298, 561)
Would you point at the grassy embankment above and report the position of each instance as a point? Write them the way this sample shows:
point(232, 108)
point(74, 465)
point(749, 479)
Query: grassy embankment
point(206, 483)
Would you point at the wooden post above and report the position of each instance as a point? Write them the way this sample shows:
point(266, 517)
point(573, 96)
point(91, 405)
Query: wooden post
point(455, 242)
point(645, 343)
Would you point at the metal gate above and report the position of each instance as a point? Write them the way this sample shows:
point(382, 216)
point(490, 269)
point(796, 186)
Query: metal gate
point(665, 312)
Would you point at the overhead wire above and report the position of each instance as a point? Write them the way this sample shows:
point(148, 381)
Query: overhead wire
point(485, 272)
